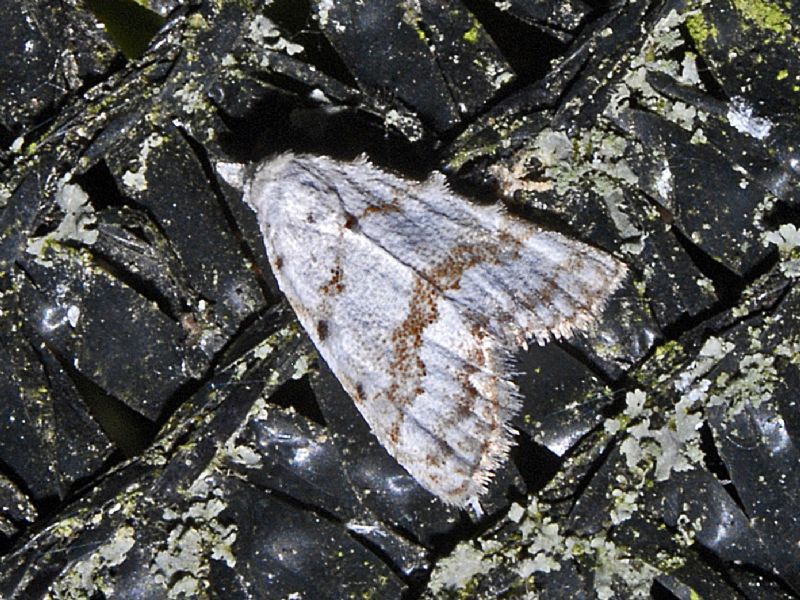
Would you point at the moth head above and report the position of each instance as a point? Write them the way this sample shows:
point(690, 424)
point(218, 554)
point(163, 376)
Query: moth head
point(284, 189)
point(275, 168)
point(264, 183)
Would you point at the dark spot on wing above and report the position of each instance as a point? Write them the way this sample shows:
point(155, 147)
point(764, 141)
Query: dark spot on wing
point(394, 433)
point(387, 207)
point(322, 330)
point(350, 222)
point(334, 285)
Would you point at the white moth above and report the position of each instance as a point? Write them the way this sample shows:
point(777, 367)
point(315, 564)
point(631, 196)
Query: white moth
point(416, 298)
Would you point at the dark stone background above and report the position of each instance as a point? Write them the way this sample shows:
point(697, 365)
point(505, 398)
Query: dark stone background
point(166, 428)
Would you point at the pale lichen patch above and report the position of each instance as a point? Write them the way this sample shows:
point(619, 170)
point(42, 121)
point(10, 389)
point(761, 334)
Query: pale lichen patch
point(136, 179)
point(266, 34)
point(322, 15)
point(88, 576)
point(751, 385)
point(456, 571)
point(197, 536)
point(616, 570)
point(787, 239)
point(541, 547)
point(407, 123)
point(77, 224)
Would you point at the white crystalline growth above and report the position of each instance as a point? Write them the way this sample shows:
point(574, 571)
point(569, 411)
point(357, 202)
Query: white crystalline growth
point(416, 298)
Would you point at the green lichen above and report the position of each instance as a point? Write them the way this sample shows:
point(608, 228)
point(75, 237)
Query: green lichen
point(197, 22)
point(471, 35)
point(765, 15)
point(67, 528)
point(469, 149)
point(699, 29)
point(413, 19)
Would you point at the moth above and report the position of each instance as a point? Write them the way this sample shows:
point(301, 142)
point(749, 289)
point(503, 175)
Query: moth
point(417, 298)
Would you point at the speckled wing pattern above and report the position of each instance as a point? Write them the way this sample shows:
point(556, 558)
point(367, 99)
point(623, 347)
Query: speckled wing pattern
point(416, 298)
